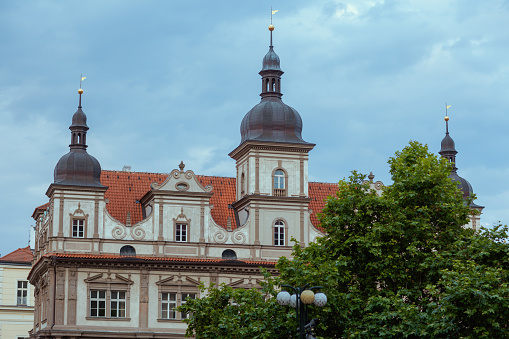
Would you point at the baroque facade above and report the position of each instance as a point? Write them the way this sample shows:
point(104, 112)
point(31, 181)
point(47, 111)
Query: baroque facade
point(117, 251)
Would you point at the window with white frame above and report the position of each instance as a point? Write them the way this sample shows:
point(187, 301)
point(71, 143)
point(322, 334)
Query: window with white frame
point(117, 304)
point(78, 228)
point(22, 293)
point(279, 233)
point(168, 305)
point(185, 296)
point(97, 303)
point(181, 232)
point(279, 179)
point(111, 303)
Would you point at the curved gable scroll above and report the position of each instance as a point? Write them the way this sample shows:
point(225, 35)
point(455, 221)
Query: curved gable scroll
point(180, 181)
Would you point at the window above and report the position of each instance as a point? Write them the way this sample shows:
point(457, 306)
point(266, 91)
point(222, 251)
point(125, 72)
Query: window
point(174, 292)
point(97, 303)
point(279, 183)
point(229, 255)
point(279, 233)
point(78, 228)
point(181, 232)
point(168, 304)
point(22, 292)
point(108, 296)
point(117, 309)
point(128, 251)
point(185, 296)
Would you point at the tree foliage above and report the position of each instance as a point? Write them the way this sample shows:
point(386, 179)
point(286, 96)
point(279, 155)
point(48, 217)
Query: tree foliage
point(399, 265)
point(227, 313)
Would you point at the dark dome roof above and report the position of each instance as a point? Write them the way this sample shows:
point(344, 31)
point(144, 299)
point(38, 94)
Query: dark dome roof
point(79, 119)
point(78, 168)
point(463, 184)
point(271, 61)
point(272, 120)
point(447, 144)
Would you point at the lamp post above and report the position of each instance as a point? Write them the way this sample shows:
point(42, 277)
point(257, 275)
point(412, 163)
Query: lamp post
point(302, 297)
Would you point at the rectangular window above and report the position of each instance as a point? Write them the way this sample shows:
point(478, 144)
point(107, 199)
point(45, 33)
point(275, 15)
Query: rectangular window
point(117, 304)
point(97, 303)
point(22, 292)
point(184, 297)
point(181, 232)
point(279, 234)
point(78, 228)
point(168, 304)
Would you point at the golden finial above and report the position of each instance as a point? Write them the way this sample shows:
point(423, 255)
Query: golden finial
point(271, 27)
point(80, 91)
point(446, 118)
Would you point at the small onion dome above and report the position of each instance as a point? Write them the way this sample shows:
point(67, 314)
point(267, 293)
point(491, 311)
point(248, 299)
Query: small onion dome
point(78, 168)
point(271, 61)
point(272, 120)
point(447, 144)
point(79, 119)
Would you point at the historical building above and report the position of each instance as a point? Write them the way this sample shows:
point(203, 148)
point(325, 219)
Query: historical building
point(117, 251)
point(448, 151)
point(16, 294)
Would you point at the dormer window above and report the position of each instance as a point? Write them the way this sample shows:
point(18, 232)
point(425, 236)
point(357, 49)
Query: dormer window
point(279, 183)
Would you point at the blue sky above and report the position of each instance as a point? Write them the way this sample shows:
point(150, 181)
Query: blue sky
point(171, 80)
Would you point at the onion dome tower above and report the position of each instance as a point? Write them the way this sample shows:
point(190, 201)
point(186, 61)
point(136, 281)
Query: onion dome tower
point(272, 120)
point(78, 168)
point(448, 151)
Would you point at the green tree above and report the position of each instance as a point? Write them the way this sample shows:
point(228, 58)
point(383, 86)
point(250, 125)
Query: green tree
point(399, 265)
point(402, 265)
point(227, 313)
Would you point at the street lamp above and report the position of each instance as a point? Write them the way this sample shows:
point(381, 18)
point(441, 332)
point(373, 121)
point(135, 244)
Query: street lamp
point(299, 300)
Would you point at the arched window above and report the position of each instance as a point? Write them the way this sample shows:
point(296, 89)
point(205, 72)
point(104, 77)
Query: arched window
point(279, 183)
point(279, 233)
point(128, 251)
point(229, 255)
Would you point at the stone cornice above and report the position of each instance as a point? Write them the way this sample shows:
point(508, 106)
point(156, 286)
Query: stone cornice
point(269, 199)
point(247, 145)
point(53, 187)
point(150, 263)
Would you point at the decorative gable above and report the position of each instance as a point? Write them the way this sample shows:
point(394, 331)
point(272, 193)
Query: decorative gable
point(180, 181)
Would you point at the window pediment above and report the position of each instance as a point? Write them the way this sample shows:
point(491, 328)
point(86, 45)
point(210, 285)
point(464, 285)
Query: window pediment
point(100, 279)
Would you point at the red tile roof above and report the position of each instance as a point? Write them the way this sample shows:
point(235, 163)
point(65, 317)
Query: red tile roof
point(319, 192)
point(126, 188)
point(124, 191)
point(224, 194)
point(41, 208)
point(22, 255)
point(162, 259)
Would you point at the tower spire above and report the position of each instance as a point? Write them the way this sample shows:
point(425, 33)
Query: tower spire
point(80, 91)
point(271, 72)
point(448, 149)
